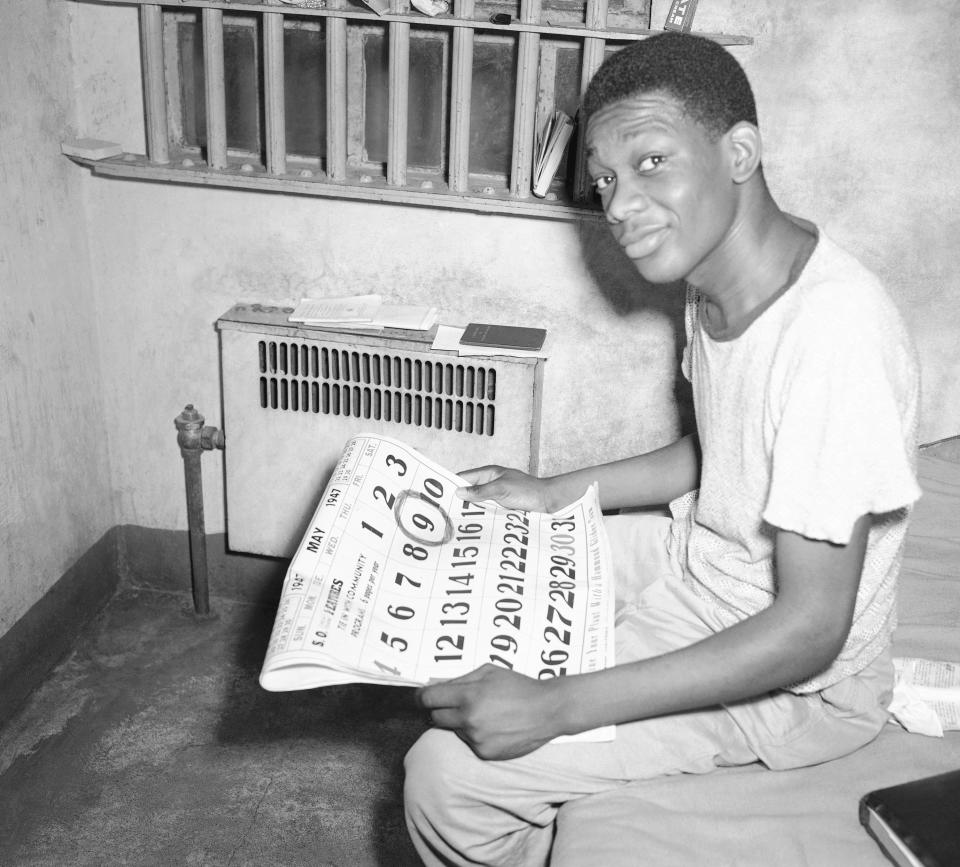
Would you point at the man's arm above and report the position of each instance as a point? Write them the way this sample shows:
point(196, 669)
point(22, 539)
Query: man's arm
point(502, 715)
point(650, 479)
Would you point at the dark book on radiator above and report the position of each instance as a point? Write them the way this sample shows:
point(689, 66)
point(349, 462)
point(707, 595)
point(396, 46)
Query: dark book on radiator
point(917, 823)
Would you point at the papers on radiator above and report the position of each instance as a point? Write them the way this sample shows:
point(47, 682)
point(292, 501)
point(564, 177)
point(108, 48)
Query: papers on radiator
point(363, 312)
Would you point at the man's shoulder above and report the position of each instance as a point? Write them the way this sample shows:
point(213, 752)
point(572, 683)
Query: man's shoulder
point(838, 286)
point(832, 265)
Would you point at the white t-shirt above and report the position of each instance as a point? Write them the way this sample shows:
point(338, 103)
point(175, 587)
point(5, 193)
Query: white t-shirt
point(807, 418)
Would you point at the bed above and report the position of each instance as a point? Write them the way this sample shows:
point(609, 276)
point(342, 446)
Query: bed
point(754, 816)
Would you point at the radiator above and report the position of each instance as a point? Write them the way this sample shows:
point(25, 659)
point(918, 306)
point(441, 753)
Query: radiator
point(293, 395)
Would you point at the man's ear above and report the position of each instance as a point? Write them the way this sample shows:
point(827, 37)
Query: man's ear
point(745, 150)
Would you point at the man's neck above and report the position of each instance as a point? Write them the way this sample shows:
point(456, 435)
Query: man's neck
point(755, 262)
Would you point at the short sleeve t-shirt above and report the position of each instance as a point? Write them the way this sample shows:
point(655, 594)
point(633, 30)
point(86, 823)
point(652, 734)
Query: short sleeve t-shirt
point(807, 418)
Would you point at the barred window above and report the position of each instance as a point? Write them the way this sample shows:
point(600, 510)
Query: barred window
point(328, 97)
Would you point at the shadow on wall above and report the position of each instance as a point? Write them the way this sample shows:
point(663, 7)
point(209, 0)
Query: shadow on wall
point(627, 294)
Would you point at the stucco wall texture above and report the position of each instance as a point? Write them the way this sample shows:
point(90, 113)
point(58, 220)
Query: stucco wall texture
point(55, 499)
point(858, 104)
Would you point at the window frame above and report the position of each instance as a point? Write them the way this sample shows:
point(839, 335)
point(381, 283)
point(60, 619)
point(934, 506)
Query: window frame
point(341, 175)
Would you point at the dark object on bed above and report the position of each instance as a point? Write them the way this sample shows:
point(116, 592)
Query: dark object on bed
point(917, 822)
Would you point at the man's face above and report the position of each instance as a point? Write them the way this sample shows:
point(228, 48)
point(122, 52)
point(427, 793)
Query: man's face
point(665, 186)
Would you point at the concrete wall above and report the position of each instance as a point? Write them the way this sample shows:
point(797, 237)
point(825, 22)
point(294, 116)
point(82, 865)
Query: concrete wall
point(55, 499)
point(859, 107)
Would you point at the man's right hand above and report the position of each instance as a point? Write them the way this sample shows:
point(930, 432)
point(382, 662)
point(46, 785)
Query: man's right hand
point(512, 489)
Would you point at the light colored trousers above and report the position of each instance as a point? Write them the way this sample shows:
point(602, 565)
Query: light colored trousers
point(462, 810)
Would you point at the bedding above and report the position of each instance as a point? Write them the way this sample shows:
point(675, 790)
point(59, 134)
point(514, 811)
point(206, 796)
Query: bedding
point(806, 817)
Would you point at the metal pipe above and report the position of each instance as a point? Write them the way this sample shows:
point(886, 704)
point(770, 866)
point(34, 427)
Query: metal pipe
point(193, 438)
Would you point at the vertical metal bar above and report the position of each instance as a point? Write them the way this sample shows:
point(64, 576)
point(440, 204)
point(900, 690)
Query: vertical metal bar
point(190, 433)
point(336, 54)
point(215, 91)
point(460, 99)
point(193, 480)
point(273, 87)
point(154, 92)
point(593, 50)
point(546, 85)
point(525, 113)
point(399, 96)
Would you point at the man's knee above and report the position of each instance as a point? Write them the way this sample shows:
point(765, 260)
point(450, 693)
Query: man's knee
point(462, 810)
point(433, 766)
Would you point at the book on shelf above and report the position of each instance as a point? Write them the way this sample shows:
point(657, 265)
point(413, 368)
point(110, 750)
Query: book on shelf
point(680, 16)
point(399, 581)
point(917, 823)
point(363, 312)
point(550, 149)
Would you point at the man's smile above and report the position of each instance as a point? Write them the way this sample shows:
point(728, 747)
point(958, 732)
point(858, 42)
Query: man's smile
point(641, 242)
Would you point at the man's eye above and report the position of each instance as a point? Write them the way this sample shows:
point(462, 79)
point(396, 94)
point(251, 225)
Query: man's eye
point(648, 164)
point(602, 182)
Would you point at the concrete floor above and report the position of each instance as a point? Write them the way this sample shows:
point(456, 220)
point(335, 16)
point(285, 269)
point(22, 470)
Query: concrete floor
point(153, 744)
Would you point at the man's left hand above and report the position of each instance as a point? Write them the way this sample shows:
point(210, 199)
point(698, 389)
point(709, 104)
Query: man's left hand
point(498, 713)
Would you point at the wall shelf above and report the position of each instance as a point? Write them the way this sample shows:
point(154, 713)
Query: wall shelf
point(138, 167)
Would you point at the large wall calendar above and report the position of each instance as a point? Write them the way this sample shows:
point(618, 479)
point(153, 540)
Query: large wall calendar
point(400, 581)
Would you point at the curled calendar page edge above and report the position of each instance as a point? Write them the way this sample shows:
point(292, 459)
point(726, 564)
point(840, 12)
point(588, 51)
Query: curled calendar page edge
point(305, 669)
point(309, 672)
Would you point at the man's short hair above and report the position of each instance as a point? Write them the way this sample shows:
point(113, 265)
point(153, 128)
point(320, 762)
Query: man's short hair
point(699, 73)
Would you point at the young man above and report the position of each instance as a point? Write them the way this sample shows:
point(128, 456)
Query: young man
point(755, 624)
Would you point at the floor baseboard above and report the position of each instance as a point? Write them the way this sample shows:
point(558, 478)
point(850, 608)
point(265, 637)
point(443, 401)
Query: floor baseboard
point(139, 556)
point(45, 634)
point(160, 559)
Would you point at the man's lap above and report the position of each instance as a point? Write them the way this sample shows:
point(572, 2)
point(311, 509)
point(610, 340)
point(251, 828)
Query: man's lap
point(661, 614)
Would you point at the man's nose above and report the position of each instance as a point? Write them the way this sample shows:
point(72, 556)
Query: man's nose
point(627, 198)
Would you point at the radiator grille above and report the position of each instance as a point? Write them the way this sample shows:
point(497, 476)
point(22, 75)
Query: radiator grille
point(381, 386)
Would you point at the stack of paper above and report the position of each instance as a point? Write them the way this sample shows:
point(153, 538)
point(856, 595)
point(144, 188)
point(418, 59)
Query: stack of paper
point(411, 316)
point(363, 312)
point(332, 311)
point(90, 148)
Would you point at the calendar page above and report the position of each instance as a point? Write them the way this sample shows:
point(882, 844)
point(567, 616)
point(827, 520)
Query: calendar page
point(400, 581)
